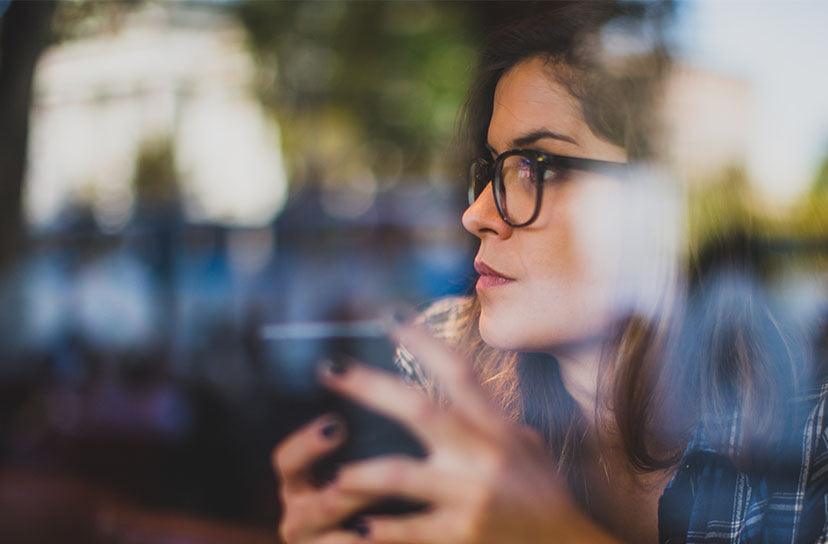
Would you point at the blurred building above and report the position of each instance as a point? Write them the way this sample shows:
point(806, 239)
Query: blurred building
point(707, 119)
point(174, 75)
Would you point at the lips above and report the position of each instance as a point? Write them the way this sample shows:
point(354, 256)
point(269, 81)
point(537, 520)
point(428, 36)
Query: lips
point(489, 277)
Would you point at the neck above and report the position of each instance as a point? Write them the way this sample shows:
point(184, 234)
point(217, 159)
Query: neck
point(579, 372)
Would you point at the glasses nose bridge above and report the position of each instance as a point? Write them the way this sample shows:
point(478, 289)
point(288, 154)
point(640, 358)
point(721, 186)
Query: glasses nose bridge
point(481, 176)
point(482, 196)
point(482, 215)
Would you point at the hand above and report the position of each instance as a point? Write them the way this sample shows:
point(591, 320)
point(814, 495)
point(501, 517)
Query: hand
point(487, 480)
point(313, 511)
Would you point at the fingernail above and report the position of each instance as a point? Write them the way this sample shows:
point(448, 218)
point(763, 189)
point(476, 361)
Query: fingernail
point(361, 528)
point(332, 428)
point(398, 315)
point(332, 368)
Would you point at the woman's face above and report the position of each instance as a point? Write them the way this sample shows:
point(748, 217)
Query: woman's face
point(550, 285)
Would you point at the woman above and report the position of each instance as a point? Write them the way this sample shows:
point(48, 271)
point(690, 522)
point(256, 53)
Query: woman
point(570, 407)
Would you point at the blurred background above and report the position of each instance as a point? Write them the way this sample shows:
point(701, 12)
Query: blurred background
point(174, 175)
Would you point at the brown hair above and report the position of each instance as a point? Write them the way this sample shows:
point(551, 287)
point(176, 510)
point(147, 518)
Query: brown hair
point(660, 389)
point(616, 93)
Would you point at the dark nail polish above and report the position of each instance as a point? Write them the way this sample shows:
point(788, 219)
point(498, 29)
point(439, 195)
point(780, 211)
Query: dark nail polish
point(331, 367)
point(361, 528)
point(331, 429)
point(398, 315)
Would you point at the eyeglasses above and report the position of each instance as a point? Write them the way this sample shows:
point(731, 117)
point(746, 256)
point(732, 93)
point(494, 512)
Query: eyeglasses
point(518, 177)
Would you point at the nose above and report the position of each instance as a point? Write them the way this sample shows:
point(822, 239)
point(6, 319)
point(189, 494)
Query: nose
point(482, 217)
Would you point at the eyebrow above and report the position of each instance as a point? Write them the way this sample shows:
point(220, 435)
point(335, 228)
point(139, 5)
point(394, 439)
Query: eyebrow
point(534, 136)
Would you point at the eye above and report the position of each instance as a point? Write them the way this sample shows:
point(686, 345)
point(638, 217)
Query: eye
point(552, 173)
point(525, 170)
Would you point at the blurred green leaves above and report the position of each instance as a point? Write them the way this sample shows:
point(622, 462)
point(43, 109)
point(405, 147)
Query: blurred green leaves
point(362, 86)
point(729, 206)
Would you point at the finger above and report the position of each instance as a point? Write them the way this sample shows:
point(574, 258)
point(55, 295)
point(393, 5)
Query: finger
point(396, 475)
point(294, 456)
point(338, 537)
point(455, 376)
point(330, 537)
point(387, 394)
point(316, 512)
point(412, 529)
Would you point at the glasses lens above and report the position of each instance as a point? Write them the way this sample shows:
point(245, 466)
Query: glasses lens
point(517, 190)
point(479, 177)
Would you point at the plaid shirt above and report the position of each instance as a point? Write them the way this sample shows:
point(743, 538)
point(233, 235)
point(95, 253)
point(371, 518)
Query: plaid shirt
point(708, 501)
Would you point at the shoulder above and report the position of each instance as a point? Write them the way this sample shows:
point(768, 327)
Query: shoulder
point(799, 486)
point(786, 501)
point(812, 491)
point(815, 433)
point(812, 430)
point(446, 319)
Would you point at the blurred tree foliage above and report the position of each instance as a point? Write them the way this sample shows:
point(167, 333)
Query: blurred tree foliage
point(359, 85)
point(375, 86)
point(82, 18)
point(719, 206)
point(820, 186)
point(727, 209)
point(813, 215)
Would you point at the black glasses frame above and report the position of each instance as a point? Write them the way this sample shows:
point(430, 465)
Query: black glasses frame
point(482, 171)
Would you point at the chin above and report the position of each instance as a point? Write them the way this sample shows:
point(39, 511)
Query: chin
point(517, 331)
point(508, 334)
point(497, 341)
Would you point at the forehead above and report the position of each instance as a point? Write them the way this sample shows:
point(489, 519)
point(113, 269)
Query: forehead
point(529, 98)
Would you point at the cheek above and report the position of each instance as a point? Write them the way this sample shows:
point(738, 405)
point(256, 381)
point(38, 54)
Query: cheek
point(559, 257)
point(562, 295)
point(551, 251)
point(597, 231)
